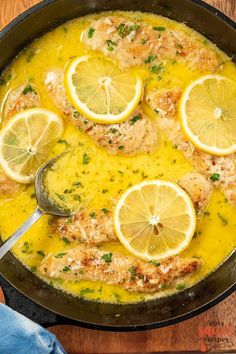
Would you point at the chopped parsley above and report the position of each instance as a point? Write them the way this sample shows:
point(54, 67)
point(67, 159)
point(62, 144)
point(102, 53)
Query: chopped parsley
point(86, 159)
point(215, 177)
point(159, 28)
point(91, 32)
point(60, 254)
point(110, 45)
point(33, 269)
point(66, 268)
point(143, 41)
point(64, 239)
point(41, 253)
point(135, 119)
point(26, 248)
point(156, 69)
point(180, 287)
point(92, 215)
point(60, 196)
point(121, 147)
point(86, 291)
point(132, 271)
point(117, 297)
point(150, 59)
point(155, 263)
point(207, 213)
point(105, 211)
point(77, 184)
point(77, 197)
point(223, 219)
point(107, 257)
point(30, 54)
point(63, 141)
point(29, 89)
point(69, 220)
point(124, 30)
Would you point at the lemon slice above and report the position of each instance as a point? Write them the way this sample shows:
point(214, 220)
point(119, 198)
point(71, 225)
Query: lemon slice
point(25, 142)
point(208, 114)
point(100, 90)
point(155, 219)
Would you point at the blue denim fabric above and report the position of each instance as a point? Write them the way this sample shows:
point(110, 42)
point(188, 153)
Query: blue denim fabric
point(19, 335)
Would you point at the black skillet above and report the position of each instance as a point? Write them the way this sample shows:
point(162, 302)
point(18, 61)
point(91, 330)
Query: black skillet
point(33, 23)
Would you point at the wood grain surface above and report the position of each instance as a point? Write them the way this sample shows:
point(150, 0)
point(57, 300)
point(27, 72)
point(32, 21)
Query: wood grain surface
point(212, 331)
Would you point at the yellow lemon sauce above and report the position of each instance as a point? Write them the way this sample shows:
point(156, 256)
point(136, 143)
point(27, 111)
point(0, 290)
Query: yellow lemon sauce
point(95, 178)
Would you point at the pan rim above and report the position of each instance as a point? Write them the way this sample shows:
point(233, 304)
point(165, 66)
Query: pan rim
point(139, 327)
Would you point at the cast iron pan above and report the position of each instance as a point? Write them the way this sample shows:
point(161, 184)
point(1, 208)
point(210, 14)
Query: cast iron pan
point(34, 22)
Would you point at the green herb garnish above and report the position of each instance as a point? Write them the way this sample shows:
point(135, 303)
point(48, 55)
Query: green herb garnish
point(223, 219)
point(29, 89)
point(105, 211)
point(132, 270)
point(66, 269)
point(135, 119)
point(155, 263)
point(215, 177)
point(86, 159)
point(107, 257)
point(64, 239)
point(91, 32)
point(150, 59)
point(60, 196)
point(30, 54)
point(60, 254)
point(110, 45)
point(41, 253)
point(86, 291)
point(159, 28)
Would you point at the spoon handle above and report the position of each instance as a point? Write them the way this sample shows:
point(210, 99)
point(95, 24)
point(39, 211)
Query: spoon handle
point(5, 247)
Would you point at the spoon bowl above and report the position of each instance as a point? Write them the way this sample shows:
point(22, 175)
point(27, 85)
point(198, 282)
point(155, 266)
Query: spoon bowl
point(44, 206)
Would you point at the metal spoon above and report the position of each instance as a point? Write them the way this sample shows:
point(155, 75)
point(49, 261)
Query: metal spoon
point(44, 206)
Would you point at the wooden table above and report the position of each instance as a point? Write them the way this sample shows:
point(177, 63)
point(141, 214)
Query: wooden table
point(212, 331)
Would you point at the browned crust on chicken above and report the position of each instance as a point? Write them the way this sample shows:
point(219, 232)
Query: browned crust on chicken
point(165, 101)
point(199, 188)
point(224, 166)
point(90, 263)
point(137, 134)
point(86, 227)
point(131, 43)
point(19, 99)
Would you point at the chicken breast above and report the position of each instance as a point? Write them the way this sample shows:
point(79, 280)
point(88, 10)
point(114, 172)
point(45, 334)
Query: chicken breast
point(90, 263)
point(97, 228)
point(221, 170)
point(92, 229)
point(136, 135)
point(135, 43)
point(199, 189)
point(19, 99)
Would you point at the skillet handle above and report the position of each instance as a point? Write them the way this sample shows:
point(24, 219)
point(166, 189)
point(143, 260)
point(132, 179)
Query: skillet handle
point(7, 245)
